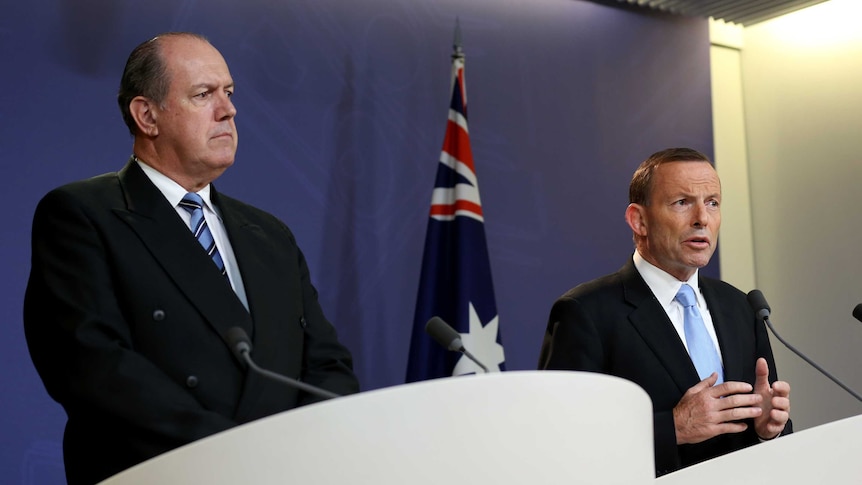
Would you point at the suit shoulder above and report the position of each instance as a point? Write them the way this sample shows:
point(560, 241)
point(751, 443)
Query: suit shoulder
point(252, 214)
point(93, 188)
point(723, 288)
point(97, 182)
point(598, 287)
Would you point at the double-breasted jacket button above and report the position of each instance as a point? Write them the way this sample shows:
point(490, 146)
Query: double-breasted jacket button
point(192, 382)
point(158, 315)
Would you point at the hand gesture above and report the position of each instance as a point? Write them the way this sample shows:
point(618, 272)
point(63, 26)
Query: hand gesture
point(707, 410)
point(775, 403)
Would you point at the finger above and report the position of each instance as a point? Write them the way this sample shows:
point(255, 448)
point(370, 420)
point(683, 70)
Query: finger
point(761, 368)
point(740, 400)
point(761, 373)
point(732, 387)
point(777, 420)
point(730, 427)
point(711, 380)
point(704, 384)
point(781, 388)
point(740, 413)
point(781, 404)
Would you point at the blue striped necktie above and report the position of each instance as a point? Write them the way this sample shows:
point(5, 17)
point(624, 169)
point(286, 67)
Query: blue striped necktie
point(193, 203)
point(700, 345)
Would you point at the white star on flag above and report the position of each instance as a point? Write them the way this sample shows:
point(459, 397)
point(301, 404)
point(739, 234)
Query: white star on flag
point(481, 341)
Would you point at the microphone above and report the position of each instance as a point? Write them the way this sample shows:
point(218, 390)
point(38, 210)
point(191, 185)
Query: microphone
point(240, 345)
point(857, 312)
point(761, 309)
point(446, 336)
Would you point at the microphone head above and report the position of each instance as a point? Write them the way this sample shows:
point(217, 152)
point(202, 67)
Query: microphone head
point(443, 334)
point(857, 312)
point(238, 342)
point(758, 304)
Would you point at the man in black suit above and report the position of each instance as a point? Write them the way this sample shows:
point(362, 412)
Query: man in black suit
point(631, 325)
point(125, 312)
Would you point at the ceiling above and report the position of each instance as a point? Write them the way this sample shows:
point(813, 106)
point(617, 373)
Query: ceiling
point(743, 12)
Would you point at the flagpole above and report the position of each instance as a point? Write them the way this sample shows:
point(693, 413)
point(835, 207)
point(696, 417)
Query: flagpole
point(457, 45)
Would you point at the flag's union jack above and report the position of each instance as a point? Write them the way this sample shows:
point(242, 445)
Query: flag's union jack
point(455, 283)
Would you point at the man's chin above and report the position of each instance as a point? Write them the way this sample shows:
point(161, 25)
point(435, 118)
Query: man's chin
point(216, 166)
point(700, 261)
point(222, 161)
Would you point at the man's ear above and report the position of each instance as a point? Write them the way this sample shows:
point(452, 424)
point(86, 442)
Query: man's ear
point(636, 219)
point(144, 113)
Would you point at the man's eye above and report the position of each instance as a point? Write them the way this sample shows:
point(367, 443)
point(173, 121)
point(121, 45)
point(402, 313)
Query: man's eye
point(229, 94)
point(203, 95)
point(680, 202)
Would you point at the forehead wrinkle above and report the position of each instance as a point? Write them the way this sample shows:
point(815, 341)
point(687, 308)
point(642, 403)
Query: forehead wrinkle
point(689, 183)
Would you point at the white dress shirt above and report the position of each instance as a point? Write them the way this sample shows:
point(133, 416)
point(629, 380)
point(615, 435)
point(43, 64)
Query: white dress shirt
point(665, 287)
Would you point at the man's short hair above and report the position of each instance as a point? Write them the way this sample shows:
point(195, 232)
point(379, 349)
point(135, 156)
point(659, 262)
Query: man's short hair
point(146, 74)
point(640, 188)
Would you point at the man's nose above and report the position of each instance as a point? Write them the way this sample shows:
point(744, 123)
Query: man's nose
point(226, 110)
point(701, 216)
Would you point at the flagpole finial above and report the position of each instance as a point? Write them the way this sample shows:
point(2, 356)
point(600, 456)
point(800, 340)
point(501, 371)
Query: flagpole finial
point(456, 45)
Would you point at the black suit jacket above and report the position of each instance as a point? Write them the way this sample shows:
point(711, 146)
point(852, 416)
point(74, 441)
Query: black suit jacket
point(615, 325)
point(125, 317)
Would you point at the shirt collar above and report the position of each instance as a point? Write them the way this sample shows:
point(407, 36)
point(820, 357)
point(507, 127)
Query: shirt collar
point(172, 191)
point(663, 285)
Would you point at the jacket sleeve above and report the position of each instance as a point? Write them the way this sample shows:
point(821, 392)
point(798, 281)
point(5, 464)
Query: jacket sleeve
point(326, 362)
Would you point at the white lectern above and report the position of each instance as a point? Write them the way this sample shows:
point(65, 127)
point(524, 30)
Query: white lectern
point(511, 427)
point(826, 454)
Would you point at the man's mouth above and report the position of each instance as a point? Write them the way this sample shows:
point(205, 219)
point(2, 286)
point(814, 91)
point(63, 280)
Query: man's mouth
point(697, 242)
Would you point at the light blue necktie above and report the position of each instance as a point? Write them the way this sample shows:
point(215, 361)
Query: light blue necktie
point(700, 346)
point(193, 203)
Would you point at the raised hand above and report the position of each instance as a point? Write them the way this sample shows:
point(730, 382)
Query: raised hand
point(775, 403)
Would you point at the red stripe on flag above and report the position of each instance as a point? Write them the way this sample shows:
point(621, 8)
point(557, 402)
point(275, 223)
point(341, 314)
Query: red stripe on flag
point(457, 145)
point(442, 210)
point(466, 205)
point(459, 205)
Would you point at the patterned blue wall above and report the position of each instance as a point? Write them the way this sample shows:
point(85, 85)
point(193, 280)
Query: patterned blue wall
point(342, 108)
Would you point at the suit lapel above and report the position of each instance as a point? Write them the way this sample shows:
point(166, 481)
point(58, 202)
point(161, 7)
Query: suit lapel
point(727, 333)
point(174, 247)
point(655, 328)
point(270, 299)
point(247, 240)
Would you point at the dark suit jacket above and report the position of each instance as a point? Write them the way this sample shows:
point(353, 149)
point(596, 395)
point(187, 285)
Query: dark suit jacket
point(615, 325)
point(125, 317)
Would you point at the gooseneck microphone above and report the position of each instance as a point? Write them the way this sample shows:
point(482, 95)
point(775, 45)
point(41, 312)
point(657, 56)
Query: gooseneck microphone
point(446, 336)
point(240, 345)
point(762, 310)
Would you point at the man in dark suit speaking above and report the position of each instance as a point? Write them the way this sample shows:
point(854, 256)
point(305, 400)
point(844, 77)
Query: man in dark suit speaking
point(691, 342)
point(137, 275)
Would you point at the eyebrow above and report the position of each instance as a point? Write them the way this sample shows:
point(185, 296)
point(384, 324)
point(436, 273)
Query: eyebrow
point(687, 195)
point(212, 86)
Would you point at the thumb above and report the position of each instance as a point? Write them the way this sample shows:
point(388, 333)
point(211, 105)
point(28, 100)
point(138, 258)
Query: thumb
point(761, 373)
point(702, 385)
point(708, 382)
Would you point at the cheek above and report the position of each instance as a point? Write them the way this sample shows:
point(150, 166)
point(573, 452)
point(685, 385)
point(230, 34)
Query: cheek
point(668, 233)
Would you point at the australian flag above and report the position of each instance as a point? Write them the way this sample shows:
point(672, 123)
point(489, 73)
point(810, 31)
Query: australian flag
point(455, 283)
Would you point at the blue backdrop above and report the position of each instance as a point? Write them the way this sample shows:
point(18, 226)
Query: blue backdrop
point(342, 109)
